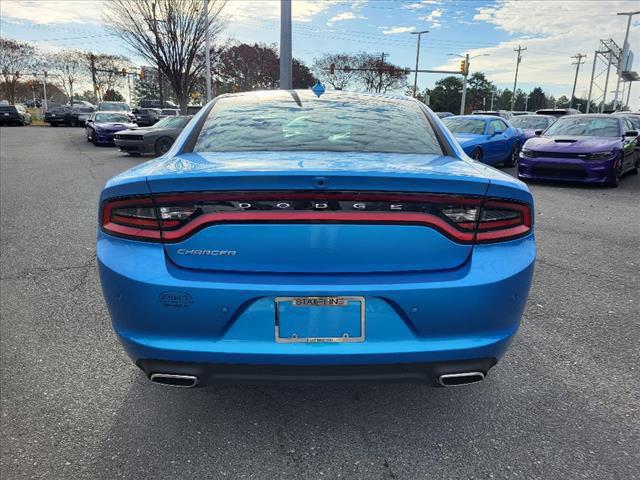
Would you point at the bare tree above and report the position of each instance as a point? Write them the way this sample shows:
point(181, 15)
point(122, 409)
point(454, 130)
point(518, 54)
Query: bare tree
point(380, 76)
point(170, 34)
point(343, 76)
point(16, 59)
point(68, 66)
point(106, 71)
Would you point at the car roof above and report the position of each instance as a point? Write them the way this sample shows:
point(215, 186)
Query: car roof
point(479, 117)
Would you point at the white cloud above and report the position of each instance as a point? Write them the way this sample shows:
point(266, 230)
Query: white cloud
point(301, 10)
point(552, 32)
point(345, 16)
point(53, 11)
point(420, 5)
point(434, 18)
point(395, 30)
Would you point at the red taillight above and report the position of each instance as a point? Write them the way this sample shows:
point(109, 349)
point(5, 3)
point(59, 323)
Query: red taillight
point(175, 217)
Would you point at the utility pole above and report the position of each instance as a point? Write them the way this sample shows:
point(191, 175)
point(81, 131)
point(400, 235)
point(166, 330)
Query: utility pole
point(578, 57)
point(154, 20)
point(286, 81)
point(44, 88)
point(515, 80)
point(624, 53)
point(381, 71)
point(92, 62)
point(493, 96)
point(415, 77)
point(207, 49)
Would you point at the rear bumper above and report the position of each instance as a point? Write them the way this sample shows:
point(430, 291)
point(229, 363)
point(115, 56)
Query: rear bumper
point(468, 313)
point(249, 373)
point(569, 169)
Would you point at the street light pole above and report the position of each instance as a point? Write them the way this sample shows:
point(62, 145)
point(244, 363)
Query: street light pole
point(624, 51)
point(415, 77)
point(286, 82)
point(207, 49)
point(466, 57)
point(578, 57)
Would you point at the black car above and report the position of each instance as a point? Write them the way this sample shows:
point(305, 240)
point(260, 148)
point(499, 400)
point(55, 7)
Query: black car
point(156, 139)
point(156, 104)
point(79, 114)
point(14, 115)
point(146, 117)
point(58, 115)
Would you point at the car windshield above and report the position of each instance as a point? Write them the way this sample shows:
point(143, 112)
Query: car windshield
point(113, 107)
point(85, 109)
point(531, 122)
point(111, 118)
point(341, 122)
point(583, 126)
point(464, 125)
point(172, 122)
point(169, 111)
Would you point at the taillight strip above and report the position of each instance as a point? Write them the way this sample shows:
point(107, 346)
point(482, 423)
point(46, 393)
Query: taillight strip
point(422, 219)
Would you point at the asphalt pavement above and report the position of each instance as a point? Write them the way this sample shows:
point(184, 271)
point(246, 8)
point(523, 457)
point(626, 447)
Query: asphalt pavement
point(564, 403)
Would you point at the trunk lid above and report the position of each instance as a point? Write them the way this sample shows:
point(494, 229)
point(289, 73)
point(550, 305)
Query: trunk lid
point(314, 212)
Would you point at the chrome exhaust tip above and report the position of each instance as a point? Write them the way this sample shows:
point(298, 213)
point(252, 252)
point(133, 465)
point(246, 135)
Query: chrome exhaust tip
point(182, 381)
point(459, 379)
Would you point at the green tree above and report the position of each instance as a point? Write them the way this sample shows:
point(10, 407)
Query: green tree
point(112, 95)
point(145, 89)
point(446, 95)
point(563, 102)
point(537, 99)
point(478, 91)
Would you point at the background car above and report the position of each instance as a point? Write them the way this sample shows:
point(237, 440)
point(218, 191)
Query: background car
point(80, 114)
point(157, 139)
point(57, 115)
point(529, 124)
point(148, 103)
point(193, 109)
point(498, 113)
point(558, 112)
point(274, 241)
point(101, 126)
point(14, 115)
point(591, 148)
point(116, 107)
point(486, 138)
point(147, 116)
point(443, 114)
point(169, 112)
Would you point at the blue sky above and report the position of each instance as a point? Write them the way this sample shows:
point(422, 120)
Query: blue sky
point(551, 30)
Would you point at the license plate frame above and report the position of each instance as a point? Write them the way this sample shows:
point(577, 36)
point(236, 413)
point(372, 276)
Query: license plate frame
point(323, 302)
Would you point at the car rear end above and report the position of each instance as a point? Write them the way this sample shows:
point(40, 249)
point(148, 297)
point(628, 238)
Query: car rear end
point(276, 265)
point(9, 115)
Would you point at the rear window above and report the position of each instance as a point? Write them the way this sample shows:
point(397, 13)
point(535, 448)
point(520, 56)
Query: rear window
point(531, 122)
point(7, 108)
point(474, 126)
point(113, 107)
point(280, 121)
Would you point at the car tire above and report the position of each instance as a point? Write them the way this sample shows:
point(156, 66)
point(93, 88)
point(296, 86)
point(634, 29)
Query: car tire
point(513, 156)
point(53, 124)
point(94, 138)
point(163, 144)
point(73, 122)
point(476, 154)
point(617, 172)
point(134, 154)
point(636, 167)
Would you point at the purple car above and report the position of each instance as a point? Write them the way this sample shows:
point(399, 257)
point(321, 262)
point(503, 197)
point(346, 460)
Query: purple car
point(586, 148)
point(101, 126)
point(529, 124)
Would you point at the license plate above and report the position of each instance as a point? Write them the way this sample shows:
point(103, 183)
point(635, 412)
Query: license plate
point(319, 319)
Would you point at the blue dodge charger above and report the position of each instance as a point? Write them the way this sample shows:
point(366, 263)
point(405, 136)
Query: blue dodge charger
point(487, 138)
point(292, 237)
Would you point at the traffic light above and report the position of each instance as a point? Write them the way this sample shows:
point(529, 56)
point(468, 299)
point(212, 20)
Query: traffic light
point(124, 72)
point(17, 75)
point(141, 74)
point(46, 74)
point(463, 67)
point(332, 68)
